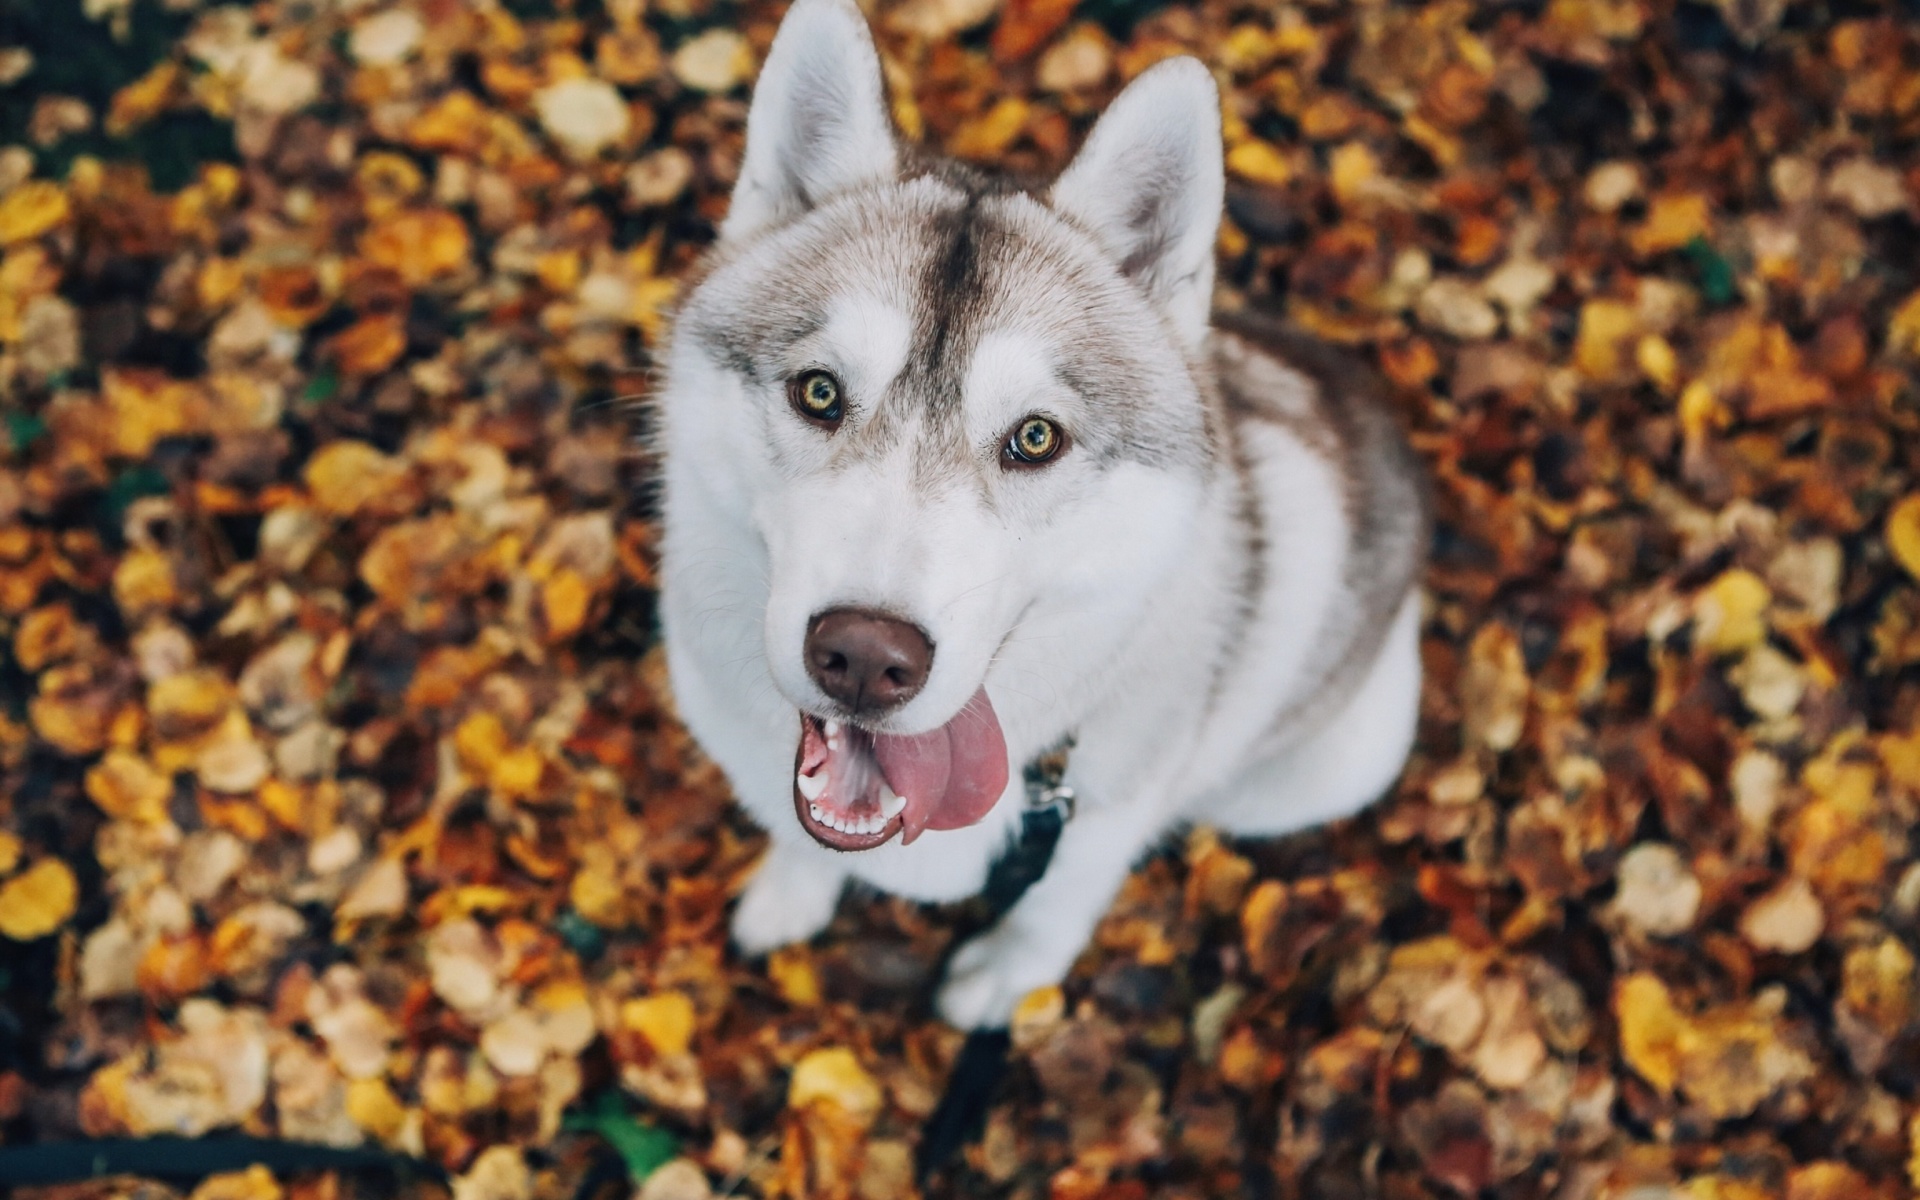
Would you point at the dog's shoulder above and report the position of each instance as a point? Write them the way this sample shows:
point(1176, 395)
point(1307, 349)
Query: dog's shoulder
point(1327, 398)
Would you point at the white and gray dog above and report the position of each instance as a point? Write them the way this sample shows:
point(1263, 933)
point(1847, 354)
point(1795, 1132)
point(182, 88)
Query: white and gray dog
point(959, 471)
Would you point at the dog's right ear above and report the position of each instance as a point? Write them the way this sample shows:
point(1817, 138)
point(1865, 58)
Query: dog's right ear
point(819, 122)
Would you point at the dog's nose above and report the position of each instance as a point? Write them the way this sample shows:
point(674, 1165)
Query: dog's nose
point(866, 660)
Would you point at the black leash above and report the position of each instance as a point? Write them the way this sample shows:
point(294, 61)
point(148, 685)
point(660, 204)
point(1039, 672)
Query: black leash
point(189, 1160)
point(982, 1063)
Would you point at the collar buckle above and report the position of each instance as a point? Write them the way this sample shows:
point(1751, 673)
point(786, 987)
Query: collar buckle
point(1045, 777)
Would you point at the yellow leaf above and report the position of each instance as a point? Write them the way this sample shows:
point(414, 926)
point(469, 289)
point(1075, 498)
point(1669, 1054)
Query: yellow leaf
point(650, 300)
point(143, 582)
point(345, 477)
point(1730, 614)
point(219, 281)
point(1651, 1029)
point(128, 789)
point(482, 741)
point(1913, 1144)
point(1900, 756)
point(791, 969)
point(37, 901)
point(142, 100)
point(372, 1106)
point(32, 209)
point(834, 1076)
point(1877, 981)
point(1604, 327)
point(1351, 170)
point(565, 598)
point(1903, 534)
point(1701, 411)
point(10, 849)
point(1903, 331)
point(1038, 1011)
point(1259, 162)
point(254, 1183)
point(1657, 361)
point(457, 123)
point(559, 271)
point(516, 774)
point(665, 1020)
point(1263, 909)
point(1673, 220)
point(596, 895)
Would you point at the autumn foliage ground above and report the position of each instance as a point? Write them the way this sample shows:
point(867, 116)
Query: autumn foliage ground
point(340, 798)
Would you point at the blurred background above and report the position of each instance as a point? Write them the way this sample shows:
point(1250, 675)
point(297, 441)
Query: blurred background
point(342, 803)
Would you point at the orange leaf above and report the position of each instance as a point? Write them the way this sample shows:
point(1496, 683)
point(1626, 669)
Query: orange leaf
point(419, 246)
point(371, 344)
point(1027, 25)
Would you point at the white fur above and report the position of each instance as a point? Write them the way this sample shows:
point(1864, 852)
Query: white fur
point(1150, 174)
point(819, 123)
point(1096, 598)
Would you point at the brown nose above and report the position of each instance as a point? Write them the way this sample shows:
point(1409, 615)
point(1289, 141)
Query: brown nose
point(867, 661)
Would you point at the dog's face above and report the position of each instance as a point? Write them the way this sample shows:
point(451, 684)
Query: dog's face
point(949, 409)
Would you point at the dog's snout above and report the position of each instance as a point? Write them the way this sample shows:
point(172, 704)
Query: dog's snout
point(867, 661)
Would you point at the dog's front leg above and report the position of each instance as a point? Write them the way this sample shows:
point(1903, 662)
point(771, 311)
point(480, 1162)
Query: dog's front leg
point(791, 897)
point(1035, 943)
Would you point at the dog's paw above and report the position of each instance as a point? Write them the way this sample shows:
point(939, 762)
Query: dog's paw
point(787, 901)
point(990, 975)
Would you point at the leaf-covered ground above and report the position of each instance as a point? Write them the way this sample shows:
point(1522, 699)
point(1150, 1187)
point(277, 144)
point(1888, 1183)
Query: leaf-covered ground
point(340, 795)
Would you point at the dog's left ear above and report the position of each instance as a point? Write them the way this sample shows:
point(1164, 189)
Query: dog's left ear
point(819, 120)
point(1149, 185)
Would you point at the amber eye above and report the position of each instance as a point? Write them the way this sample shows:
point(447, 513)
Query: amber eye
point(816, 396)
point(1033, 441)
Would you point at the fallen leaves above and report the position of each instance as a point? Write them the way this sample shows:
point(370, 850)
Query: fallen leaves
point(38, 900)
point(833, 1076)
point(342, 798)
point(419, 246)
point(585, 116)
point(1729, 1059)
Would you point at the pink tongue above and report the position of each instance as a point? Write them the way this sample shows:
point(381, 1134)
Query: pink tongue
point(950, 776)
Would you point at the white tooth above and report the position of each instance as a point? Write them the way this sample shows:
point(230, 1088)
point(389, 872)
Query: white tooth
point(840, 823)
point(891, 805)
point(811, 785)
point(867, 825)
point(814, 811)
point(833, 729)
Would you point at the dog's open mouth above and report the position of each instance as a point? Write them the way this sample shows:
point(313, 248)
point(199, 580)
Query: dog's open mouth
point(853, 790)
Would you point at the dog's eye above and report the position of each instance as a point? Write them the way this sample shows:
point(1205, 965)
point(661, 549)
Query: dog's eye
point(1034, 440)
point(815, 395)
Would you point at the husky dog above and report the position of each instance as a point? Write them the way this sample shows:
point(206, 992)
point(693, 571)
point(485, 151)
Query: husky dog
point(958, 471)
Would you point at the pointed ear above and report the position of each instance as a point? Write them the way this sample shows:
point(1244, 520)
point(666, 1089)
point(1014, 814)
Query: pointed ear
point(819, 120)
point(1148, 184)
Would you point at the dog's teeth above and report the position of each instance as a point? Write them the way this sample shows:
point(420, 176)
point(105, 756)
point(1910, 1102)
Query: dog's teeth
point(891, 805)
point(869, 825)
point(833, 730)
point(814, 811)
point(811, 785)
point(836, 822)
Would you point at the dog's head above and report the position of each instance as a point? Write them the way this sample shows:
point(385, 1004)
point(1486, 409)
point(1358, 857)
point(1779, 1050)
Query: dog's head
point(955, 411)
